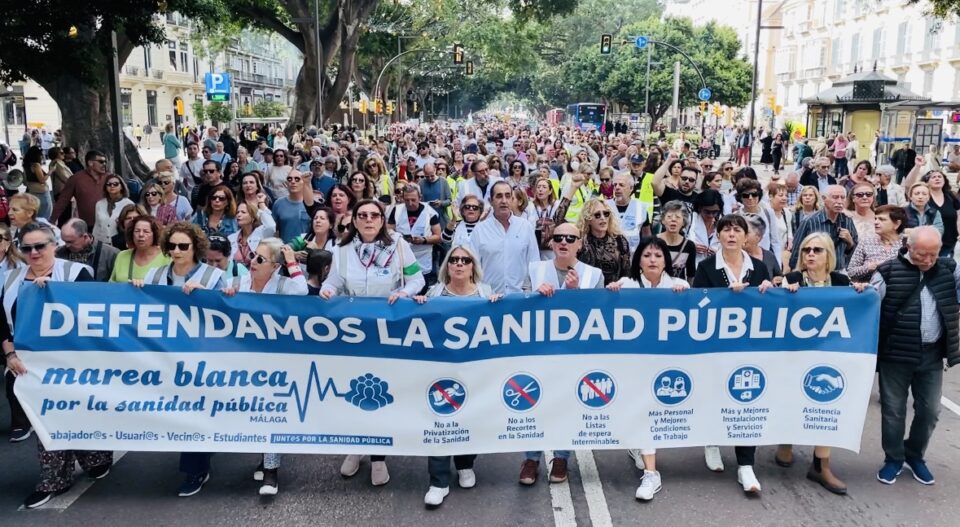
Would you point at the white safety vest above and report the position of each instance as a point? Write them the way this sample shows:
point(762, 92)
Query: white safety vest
point(545, 272)
point(370, 281)
point(278, 285)
point(421, 228)
point(206, 275)
point(631, 220)
point(63, 271)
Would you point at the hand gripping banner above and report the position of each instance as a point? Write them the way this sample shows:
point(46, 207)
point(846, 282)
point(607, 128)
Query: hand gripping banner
point(114, 367)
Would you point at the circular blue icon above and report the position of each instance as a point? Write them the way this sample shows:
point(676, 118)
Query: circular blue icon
point(823, 384)
point(672, 387)
point(641, 42)
point(446, 396)
point(746, 384)
point(521, 392)
point(596, 389)
point(704, 94)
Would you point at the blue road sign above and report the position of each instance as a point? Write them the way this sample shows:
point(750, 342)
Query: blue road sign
point(641, 42)
point(446, 396)
point(704, 94)
point(521, 392)
point(746, 384)
point(596, 389)
point(672, 387)
point(217, 86)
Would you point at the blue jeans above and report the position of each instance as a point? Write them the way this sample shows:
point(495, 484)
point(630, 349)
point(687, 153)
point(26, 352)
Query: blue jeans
point(535, 455)
point(840, 167)
point(46, 204)
point(896, 382)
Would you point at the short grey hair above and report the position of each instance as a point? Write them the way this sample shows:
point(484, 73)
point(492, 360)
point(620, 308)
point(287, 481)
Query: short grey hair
point(755, 222)
point(411, 187)
point(886, 169)
point(78, 226)
point(274, 245)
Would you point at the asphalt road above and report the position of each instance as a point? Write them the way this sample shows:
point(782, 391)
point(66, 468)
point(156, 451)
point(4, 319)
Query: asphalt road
point(141, 489)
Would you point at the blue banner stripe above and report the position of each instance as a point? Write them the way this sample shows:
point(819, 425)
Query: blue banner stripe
point(120, 318)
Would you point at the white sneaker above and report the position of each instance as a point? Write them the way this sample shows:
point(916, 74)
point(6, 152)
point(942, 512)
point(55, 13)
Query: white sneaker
point(378, 473)
point(350, 466)
point(637, 458)
point(748, 479)
point(711, 454)
point(467, 477)
point(435, 495)
point(649, 485)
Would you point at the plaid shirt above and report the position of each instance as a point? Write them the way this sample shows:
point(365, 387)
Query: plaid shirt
point(793, 197)
point(820, 223)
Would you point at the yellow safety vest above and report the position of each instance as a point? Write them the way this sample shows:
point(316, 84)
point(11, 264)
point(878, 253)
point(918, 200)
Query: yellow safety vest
point(646, 195)
point(454, 184)
point(579, 198)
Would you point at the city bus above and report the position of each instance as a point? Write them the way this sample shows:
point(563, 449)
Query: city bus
point(586, 116)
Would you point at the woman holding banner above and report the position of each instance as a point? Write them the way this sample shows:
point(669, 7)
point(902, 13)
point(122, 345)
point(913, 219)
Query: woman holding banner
point(459, 277)
point(369, 261)
point(731, 267)
point(651, 268)
point(816, 269)
point(38, 243)
point(265, 278)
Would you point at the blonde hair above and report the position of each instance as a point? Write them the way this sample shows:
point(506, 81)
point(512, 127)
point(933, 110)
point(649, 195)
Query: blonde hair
point(817, 202)
point(827, 242)
point(14, 258)
point(592, 206)
point(27, 202)
point(477, 275)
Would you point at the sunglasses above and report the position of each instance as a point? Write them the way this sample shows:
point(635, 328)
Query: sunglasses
point(441, 167)
point(863, 194)
point(569, 238)
point(470, 207)
point(825, 167)
point(601, 214)
point(369, 215)
point(292, 179)
point(712, 212)
point(604, 180)
point(37, 247)
point(170, 246)
point(102, 161)
point(748, 195)
point(464, 260)
point(358, 180)
point(218, 197)
point(688, 179)
point(259, 258)
point(166, 182)
point(727, 168)
point(113, 184)
point(812, 250)
point(209, 171)
point(153, 193)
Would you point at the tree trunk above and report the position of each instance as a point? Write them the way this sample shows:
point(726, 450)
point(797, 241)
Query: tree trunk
point(85, 112)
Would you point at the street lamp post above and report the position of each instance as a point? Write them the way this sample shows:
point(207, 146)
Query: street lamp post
point(401, 102)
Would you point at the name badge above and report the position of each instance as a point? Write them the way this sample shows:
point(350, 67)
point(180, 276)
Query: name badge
point(384, 272)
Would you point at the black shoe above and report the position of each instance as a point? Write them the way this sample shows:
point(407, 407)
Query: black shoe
point(271, 482)
point(20, 434)
point(100, 472)
point(38, 498)
point(193, 484)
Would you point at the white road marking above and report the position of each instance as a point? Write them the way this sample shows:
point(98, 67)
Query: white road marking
point(560, 498)
point(952, 406)
point(81, 484)
point(593, 489)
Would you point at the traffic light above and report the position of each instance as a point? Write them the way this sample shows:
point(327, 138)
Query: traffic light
point(469, 67)
point(179, 106)
point(414, 106)
point(457, 54)
point(772, 102)
point(703, 106)
point(606, 44)
point(363, 106)
point(717, 110)
point(389, 107)
point(378, 106)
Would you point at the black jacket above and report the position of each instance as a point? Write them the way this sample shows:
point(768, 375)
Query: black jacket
point(811, 180)
point(836, 279)
point(900, 311)
point(708, 276)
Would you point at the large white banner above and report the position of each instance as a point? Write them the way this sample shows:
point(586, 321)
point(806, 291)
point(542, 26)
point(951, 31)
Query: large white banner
point(156, 370)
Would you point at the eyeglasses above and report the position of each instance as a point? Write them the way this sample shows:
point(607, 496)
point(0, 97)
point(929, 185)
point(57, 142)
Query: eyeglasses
point(292, 179)
point(825, 167)
point(604, 180)
point(153, 193)
point(569, 238)
point(101, 160)
point(441, 167)
point(113, 184)
point(470, 207)
point(863, 194)
point(209, 171)
point(170, 246)
point(688, 179)
point(749, 195)
point(358, 180)
point(601, 214)
point(464, 260)
point(727, 168)
point(37, 247)
point(259, 258)
point(812, 250)
point(218, 197)
point(706, 167)
point(166, 182)
point(369, 215)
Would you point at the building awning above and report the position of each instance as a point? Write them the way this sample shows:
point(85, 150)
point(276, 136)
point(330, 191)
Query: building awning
point(862, 89)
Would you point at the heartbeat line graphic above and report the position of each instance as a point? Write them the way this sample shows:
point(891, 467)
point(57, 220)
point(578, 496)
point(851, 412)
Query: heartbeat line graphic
point(367, 392)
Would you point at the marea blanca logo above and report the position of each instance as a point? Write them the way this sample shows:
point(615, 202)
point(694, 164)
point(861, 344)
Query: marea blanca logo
point(367, 392)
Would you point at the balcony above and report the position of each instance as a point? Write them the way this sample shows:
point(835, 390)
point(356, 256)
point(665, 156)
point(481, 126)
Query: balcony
point(952, 54)
point(157, 74)
point(901, 62)
point(928, 56)
point(805, 27)
point(786, 76)
point(817, 72)
point(132, 70)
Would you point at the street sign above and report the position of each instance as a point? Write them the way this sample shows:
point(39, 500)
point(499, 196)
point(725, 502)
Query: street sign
point(641, 42)
point(704, 94)
point(217, 86)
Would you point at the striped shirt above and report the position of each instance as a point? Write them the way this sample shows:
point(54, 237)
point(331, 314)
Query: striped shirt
point(820, 223)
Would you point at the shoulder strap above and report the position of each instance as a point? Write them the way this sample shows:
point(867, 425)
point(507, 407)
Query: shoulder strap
point(207, 273)
point(281, 284)
point(67, 268)
point(158, 274)
point(235, 282)
point(96, 257)
point(11, 278)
